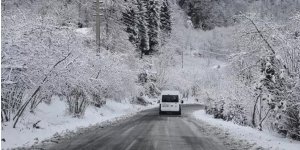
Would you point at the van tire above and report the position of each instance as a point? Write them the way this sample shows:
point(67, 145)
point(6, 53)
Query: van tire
point(179, 112)
point(160, 112)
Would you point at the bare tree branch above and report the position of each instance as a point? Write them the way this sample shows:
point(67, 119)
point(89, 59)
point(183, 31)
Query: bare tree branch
point(21, 110)
point(260, 34)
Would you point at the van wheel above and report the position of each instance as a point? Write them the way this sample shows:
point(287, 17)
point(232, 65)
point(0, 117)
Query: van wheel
point(160, 113)
point(179, 112)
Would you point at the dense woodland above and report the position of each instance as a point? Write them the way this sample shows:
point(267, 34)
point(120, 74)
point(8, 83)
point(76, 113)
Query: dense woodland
point(49, 48)
point(264, 62)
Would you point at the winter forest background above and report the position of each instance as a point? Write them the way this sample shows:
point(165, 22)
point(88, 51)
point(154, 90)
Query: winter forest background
point(242, 58)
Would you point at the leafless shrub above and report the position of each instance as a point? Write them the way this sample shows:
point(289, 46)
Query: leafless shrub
point(77, 102)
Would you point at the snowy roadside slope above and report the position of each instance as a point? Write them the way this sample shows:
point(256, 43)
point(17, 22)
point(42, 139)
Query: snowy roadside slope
point(193, 100)
point(257, 138)
point(54, 120)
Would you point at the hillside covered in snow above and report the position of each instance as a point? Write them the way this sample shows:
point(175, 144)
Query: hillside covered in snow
point(241, 59)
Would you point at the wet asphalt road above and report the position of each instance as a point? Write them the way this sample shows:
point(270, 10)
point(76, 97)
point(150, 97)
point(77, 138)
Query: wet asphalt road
point(147, 131)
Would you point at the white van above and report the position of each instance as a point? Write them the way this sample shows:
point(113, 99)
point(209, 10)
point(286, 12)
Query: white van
point(170, 101)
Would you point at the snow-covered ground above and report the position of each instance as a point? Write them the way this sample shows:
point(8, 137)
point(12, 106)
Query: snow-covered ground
point(192, 100)
point(55, 120)
point(257, 138)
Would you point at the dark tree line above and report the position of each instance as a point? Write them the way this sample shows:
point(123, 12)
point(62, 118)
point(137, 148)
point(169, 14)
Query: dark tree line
point(148, 24)
point(208, 14)
point(165, 19)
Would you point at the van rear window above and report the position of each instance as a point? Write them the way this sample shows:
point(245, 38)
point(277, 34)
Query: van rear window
point(170, 98)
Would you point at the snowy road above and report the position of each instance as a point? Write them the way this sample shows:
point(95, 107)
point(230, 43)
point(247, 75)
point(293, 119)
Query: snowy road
point(148, 131)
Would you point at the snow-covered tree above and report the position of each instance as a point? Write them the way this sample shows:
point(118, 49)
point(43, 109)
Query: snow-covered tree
point(143, 45)
point(153, 26)
point(165, 20)
point(42, 56)
point(130, 20)
point(270, 56)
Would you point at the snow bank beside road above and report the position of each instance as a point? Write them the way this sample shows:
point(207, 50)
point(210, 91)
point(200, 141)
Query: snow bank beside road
point(258, 138)
point(192, 100)
point(54, 120)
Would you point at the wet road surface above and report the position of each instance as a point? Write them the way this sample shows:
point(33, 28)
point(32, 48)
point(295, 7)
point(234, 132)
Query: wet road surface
point(147, 131)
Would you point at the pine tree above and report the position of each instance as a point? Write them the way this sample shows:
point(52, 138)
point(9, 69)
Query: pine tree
point(129, 18)
point(153, 26)
point(165, 20)
point(142, 29)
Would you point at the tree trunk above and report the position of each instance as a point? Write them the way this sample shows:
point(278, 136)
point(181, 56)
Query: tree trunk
point(261, 121)
point(20, 112)
point(254, 111)
point(260, 110)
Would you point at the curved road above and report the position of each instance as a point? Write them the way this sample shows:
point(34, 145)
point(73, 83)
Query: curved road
point(147, 131)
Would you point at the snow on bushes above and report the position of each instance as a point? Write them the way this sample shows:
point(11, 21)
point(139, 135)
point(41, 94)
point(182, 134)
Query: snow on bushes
point(260, 87)
point(227, 99)
point(270, 57)
point(41, 58)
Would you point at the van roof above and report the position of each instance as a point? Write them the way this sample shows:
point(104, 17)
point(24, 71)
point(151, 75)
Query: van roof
point(170, 93)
